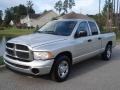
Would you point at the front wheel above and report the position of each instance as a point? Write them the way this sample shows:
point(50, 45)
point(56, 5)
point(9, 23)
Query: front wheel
point(61, 69)
point(106, 55)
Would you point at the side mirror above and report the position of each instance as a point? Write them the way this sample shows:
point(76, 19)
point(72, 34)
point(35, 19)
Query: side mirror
point(81, 33)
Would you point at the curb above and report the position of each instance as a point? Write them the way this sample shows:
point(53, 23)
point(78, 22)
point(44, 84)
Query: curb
point(117, 46)
point(2, 66)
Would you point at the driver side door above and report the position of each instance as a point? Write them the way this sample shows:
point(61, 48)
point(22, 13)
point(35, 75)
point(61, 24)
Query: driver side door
point(82, 43)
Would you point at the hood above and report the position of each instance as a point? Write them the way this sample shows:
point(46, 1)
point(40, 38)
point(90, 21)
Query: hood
point(37, 39)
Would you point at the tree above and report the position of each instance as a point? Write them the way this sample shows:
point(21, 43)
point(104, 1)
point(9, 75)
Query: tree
point(68, 4)
point(16, 12)
point(107, 14)
point(8, 17)
point(58, 6)
point(108, 8)
point(22, 10)
point(45, 11)
point(1, 14)
point(64, 6)
point(30, 9)
point(71, 4)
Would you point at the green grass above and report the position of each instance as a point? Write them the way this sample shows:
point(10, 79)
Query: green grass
point(1, 61)
point(11, 32)
point(118, 38)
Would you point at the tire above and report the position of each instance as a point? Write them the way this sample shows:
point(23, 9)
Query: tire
point(61, 69)
point(106, 55)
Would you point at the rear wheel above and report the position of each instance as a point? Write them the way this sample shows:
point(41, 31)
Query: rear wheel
point(61, 69)
point(106, 55)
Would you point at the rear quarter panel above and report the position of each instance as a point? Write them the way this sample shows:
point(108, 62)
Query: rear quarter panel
point(108, 37)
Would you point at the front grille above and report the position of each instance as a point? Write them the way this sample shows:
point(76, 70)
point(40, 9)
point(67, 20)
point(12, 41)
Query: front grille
point(18, 51)
point(22, 54)
point(10, 45)
point(10, 52)
point(22, 47)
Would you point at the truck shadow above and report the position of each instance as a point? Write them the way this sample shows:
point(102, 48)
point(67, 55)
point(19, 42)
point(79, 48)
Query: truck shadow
point(87, 66)
point(92, 64)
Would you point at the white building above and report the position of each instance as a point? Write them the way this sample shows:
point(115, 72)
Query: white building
point(11, 23)
point(38, 19)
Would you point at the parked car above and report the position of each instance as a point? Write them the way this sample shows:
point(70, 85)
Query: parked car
point(57, 46)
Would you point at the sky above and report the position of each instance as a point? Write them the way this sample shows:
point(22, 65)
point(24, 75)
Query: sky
point(82, 6)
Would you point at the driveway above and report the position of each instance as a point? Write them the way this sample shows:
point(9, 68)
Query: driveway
point(93, 74)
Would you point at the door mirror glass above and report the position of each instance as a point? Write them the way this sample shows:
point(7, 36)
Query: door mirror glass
point(81, 33)
point(82, 30)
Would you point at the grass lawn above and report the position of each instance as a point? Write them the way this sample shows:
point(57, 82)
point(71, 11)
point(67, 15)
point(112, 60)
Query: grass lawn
point(1, 61)
point(11, 32)
point(118, 38)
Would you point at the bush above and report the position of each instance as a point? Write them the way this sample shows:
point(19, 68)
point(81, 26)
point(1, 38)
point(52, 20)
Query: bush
point(1, 61)
point(2, 28)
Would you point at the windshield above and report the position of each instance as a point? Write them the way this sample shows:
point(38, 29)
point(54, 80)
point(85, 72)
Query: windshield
point(63, 28)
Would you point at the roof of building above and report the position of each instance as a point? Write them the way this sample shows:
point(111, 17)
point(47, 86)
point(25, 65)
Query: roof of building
point(74, 15)
point(35, 16)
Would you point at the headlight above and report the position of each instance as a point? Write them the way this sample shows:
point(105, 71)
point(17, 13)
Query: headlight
point(42, 55)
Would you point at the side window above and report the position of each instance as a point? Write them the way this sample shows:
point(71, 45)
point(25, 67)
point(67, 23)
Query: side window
point(82, 30)
point(93, 28)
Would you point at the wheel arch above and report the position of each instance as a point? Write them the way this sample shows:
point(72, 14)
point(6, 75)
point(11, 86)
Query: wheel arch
point(66, 53)
point(109, 43)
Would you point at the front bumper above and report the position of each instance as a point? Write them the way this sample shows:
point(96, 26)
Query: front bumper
point(44, 67)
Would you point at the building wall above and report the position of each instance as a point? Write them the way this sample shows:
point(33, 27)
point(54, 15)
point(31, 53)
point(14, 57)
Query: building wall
point(43, 20)
point(26, 20)
point(40, 21)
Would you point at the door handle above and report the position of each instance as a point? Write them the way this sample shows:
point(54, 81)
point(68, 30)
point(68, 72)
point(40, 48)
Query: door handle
point(90, 40)
point(99, 38)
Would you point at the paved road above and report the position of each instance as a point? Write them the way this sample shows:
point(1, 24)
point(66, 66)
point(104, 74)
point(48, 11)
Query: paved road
point(92, 74)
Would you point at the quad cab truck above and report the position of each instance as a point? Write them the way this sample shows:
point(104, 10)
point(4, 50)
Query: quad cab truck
point(58, 45)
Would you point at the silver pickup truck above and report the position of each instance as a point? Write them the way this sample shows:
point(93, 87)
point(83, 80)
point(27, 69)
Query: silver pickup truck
point(56, 46)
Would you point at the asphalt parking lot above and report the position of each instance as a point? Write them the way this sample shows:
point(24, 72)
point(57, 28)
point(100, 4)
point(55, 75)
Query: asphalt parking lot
point(93, 74)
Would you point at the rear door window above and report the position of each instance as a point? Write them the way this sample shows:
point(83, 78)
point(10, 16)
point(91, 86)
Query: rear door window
point(93, 28)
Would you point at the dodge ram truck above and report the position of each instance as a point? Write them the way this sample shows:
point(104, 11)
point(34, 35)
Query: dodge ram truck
point(58, 45)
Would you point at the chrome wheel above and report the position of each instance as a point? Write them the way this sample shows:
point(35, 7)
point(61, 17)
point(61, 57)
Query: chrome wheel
point(109, 53)
point(106, 55)
point(63, 69)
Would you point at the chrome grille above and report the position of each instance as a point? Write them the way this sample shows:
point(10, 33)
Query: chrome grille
point(18, 51)
point(22, 47)
point(10, 52)
point(22, 54)
point(10, 45)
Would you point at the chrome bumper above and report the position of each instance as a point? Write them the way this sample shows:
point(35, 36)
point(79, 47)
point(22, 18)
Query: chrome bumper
point(43, 67)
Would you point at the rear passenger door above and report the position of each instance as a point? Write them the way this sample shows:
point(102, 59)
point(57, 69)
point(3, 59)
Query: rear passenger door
point(95, 37)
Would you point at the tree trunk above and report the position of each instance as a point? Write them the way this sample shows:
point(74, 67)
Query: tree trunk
point(117, 15)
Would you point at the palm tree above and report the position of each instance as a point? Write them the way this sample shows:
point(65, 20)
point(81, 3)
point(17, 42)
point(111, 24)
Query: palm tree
point(99, 6)
point(58, 6)
point(117, 11)
point(99, 11)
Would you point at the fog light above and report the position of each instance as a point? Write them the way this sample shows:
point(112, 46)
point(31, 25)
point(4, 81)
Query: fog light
point(35, 71)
